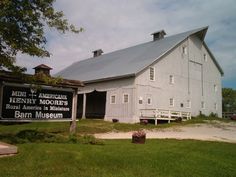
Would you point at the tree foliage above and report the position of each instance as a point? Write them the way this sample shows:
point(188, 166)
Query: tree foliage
point(22, 29)
point(229, 100)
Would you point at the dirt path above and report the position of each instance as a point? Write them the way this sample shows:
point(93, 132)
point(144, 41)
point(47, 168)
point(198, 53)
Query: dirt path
point(213, 131)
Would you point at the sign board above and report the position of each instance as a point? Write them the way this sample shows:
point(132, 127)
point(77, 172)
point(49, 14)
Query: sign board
point(25, 103)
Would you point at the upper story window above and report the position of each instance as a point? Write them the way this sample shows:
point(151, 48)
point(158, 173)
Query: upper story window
point(149, 101)
point(113, 99)
point(172, 102)
point(184, 50)
point(171, 79)
point(215, 106)
point(205, 57)
point(188, 104)
point(215, 88)
point(152, 74)
point(140, 100)
point(125, 98)
point(203, 105)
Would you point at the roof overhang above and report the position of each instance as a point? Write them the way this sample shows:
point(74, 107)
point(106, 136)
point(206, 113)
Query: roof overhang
point(109, 78)
point(6, 76)
point(214, 60)
point(201, 33)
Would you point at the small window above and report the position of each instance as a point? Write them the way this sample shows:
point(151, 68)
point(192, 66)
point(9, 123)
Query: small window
point(205, 57)
point(140, 101)
point(171, 79)
point(172, 102)
point(181, 105)
point(125, 98)
point(152, 74)
point(149, 101)
point(188, 104)
point(215, 106)
point(215, 88)
point(113, 99)
point(203, 105)
point(184, 50)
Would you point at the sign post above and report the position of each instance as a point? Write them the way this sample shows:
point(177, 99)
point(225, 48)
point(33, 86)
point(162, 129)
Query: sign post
point(73, 124)
point(1, 95)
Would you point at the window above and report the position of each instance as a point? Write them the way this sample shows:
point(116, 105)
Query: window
point(181, 105)
point(215, 88)
point(203, 105)
point(149, 101)
point(113, 99)
point(172, 102)
point(184, 50)
point(125, 98)
point(171, 79)
point(188, 104)
point(152, 74)
point(205, 57)
point(140, 101)
point(215, 106)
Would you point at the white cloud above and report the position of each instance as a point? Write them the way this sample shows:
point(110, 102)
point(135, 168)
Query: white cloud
point(112, 24)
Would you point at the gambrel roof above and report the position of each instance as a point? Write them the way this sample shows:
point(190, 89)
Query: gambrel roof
point(129, 61)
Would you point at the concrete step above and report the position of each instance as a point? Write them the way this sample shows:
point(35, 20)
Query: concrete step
point(7, 149)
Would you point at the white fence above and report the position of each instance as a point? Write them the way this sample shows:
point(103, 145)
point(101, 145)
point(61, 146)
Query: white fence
point(162, 114)
point(228, 115)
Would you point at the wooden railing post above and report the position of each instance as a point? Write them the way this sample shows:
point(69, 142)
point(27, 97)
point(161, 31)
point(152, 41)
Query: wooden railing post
point(169, 115)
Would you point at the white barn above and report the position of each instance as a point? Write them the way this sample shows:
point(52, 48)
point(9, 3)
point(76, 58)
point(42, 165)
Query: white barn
point(173, 73)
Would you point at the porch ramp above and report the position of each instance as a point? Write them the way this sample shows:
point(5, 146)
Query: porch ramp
point(163, 114)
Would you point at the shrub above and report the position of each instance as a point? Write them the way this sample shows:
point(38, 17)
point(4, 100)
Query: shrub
point(90, 139)
point(233, 117)
point(214, 115)
point(32, 136)
point(73, 139)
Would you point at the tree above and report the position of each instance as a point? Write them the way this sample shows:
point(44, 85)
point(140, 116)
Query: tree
point(22, 25)
point(229, 100)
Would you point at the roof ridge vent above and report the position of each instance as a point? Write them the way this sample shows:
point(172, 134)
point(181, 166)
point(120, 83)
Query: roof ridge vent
point(97, 53)
point(158, 35)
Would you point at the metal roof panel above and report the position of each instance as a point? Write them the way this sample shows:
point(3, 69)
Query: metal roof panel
point(128, 61)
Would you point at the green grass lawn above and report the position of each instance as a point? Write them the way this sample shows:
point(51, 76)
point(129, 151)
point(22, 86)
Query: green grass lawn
point(121, 158)
point(47, 150)
point(89, 126)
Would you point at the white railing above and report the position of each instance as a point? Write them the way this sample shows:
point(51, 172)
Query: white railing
point(228, 115)
point(163, 114)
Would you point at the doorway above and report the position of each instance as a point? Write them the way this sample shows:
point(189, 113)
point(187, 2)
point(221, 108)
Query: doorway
point(80, 99)
point(95, 105)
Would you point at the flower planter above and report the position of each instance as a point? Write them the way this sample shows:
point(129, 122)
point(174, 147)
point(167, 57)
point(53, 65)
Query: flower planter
point(138, 140)
point(115, 120)
point(139, 137)
point(144, 122)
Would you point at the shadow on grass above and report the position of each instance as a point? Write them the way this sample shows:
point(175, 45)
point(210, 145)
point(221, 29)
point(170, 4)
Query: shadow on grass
point(31, 136)
point(35, 136)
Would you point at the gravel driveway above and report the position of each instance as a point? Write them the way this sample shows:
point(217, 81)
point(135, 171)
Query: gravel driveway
point(210, 131)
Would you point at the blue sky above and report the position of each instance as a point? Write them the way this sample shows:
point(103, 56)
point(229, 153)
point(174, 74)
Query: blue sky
point(112, 25)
